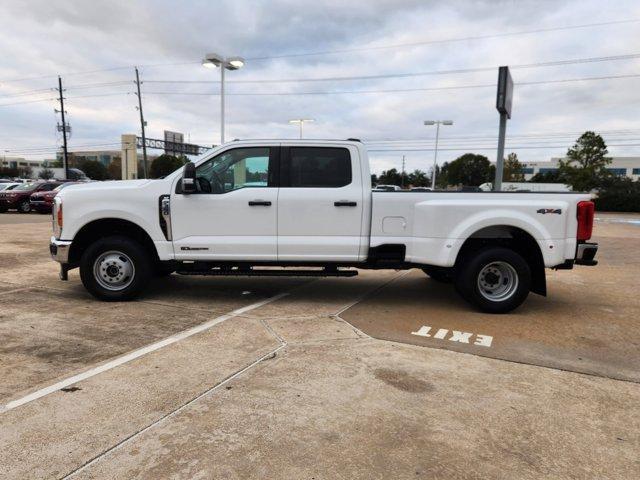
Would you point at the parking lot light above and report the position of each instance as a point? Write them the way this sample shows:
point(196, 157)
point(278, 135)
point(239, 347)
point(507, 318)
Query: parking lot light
point(213, 60)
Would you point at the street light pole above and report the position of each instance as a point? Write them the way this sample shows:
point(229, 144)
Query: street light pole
point(213, 60)
point(437, 123)
point(300, 121)
point(222, 105)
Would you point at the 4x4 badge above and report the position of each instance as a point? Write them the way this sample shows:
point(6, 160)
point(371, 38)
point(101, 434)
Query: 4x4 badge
point(544, 211)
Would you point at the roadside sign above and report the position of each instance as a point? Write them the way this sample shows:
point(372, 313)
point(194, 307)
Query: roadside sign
point(504, 97)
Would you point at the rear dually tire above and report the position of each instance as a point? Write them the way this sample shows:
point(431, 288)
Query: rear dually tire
point(494, 279)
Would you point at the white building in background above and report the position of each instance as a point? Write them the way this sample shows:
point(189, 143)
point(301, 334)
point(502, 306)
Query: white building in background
point(621, 166)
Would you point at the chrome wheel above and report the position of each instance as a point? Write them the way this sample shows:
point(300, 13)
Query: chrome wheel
point(497, 281)
point(113, 270)
point(25, 207)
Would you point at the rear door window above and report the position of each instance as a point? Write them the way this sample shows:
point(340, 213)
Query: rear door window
point(318, 167)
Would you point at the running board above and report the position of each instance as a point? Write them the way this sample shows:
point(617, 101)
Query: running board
point(217, 272)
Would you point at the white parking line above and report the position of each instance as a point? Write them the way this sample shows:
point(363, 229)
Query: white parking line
point(136, 354)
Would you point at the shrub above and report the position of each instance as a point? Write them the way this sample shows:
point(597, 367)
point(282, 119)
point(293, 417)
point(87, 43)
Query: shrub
point(619, 195)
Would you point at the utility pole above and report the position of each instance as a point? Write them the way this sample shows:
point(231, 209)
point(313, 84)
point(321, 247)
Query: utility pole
point(142, 125)
point(65, 155)
point(402, 177)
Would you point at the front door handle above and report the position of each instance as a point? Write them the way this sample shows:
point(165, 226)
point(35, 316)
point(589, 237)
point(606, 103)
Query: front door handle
point(259, 203)
point(345, 203)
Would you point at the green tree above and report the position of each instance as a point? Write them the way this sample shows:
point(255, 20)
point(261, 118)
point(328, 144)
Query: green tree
point(8, 172)
point(418, 178)
point(390, 177)
point(115, 169)
point(512, 171)
point(164, 165)
point(552, 176)
point(442, 175)
point(586, 162)
point(469, 169)
point(25, 172)
point(94, 170)
point(618, 194)
point(46, 174)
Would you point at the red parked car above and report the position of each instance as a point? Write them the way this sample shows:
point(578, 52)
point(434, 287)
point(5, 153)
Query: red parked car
point(42, 201)
point(18, 198)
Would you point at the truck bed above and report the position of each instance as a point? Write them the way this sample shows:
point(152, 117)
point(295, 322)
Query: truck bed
point(434, 225)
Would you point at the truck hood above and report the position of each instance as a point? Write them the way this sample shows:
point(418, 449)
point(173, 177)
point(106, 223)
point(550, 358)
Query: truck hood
point(108, 185)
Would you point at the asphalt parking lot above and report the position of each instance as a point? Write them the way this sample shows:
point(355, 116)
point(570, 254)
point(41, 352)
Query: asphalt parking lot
point(385, 375)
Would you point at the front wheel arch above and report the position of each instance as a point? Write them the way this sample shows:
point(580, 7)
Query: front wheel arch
point(104, 227)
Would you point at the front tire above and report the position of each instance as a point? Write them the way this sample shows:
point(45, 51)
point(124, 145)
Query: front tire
point(24, 207)
point(494, 279)
point(115, 268)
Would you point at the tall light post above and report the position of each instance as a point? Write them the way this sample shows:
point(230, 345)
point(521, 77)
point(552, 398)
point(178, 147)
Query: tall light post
point(213, 60)
point(437, 123)
point(301, 122)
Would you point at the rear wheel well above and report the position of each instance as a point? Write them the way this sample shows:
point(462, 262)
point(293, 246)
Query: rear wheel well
point(516, 239)
point(104, 227)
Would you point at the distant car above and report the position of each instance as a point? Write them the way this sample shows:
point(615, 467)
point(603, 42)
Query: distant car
point(18, 198)
point(42, 201)
point(420, 189)
point(6, 186)
point(386, 188)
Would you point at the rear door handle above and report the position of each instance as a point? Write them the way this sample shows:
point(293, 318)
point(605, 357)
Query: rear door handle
point(259, 203)
point(345, 203)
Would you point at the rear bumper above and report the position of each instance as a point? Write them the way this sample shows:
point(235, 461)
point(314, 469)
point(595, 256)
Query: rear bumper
point(585, 254)
point(59, 250)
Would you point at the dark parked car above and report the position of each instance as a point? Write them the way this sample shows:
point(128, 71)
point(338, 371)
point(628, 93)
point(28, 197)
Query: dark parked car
point(18, 198)
point(42, 201)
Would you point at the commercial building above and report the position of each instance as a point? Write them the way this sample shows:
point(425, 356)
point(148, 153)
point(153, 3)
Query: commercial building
point(621, 166)
point(18, 162)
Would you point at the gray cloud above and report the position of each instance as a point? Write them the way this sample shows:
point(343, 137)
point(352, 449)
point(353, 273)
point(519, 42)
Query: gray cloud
point(45, 38)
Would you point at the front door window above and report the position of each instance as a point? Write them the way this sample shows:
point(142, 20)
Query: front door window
point(233, 170)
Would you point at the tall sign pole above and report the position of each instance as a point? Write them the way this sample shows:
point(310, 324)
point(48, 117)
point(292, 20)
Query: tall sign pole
point(65, 155)
point(504, 100)
point(142, 125)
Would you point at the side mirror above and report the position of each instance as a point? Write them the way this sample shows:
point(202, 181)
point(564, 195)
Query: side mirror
point(189, 178)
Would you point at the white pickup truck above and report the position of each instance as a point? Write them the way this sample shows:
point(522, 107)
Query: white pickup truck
point(248, 206)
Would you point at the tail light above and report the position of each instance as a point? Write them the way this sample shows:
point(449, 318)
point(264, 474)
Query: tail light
point(585, 220)
point(59, 218)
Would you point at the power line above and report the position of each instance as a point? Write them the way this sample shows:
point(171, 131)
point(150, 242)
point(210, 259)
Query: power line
point(28, 101)
point(553, 63)
point(515, 147)
point(346, 50)
point(399, 90)
point(447, 40)
point(88, 72)
point(95, 95)
point(52, 149)
point(522, 135)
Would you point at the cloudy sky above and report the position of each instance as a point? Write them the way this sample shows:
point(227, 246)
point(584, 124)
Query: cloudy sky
point(404, 62)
